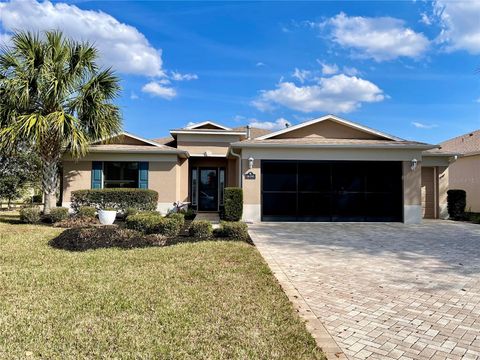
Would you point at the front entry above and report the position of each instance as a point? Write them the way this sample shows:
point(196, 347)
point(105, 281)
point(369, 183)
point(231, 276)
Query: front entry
point(208, 190)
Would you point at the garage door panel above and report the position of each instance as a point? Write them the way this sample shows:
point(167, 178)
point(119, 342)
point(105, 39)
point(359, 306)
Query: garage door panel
point(331, 191)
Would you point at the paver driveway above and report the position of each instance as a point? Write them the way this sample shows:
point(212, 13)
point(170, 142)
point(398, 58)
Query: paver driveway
point(385, 290)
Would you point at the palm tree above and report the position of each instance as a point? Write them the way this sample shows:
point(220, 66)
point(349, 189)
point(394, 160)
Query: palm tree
point(54, 98)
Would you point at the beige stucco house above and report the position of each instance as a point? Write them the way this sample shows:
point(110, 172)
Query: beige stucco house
point(464, 173)
point(326, 169)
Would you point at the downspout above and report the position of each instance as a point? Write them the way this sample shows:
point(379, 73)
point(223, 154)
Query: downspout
point(239, 166)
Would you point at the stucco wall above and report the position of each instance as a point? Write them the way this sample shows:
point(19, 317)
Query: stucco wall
point(162, 177)
point(465, 174)
point(412, 194)
point(76, 176)
point(443, 183)
point(182, 175)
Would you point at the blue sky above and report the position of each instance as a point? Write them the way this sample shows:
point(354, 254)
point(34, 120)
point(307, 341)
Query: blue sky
point(410, 68)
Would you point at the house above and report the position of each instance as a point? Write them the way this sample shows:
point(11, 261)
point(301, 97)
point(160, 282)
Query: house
point(464, 173)
point(326, 169)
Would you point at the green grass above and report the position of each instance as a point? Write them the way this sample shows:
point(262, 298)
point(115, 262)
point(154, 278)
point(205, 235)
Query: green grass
point(215, 300)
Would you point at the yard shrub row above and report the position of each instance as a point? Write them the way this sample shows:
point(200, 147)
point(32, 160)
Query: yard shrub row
point(30, 215)
point(201, 229)
point(150, 223)
point(86, 212)
point(119, 199)
point(233, 230)
point(57, 214)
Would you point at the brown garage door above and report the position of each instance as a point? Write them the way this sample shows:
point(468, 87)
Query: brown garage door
point(428, 192)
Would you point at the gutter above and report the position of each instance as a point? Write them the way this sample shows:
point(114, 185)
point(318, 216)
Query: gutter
point(332, 146)
point(238, 156)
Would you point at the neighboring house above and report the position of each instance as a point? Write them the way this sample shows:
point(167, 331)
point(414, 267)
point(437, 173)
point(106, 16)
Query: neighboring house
point(464, 173)
point(326, 169)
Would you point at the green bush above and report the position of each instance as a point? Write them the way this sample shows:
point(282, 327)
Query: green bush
point(30, 215)
point(57, 214)
point(233, 230)
point(178, 217)
point(120, 199)
point(201, 229)
point(456, 202)
point(233, 200)
point(86, 212)
point(154, 224)
point(130, 211)
point(189, 214)
point(474, 217)
point(146, 223)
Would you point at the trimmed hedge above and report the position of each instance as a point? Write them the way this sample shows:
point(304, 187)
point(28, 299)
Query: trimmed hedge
point(119, 199)
point(30, 215)
point(87, 212)
point(456, 202)
point(233, 200)
point(178, 217)
point(233, 230)
point(154, 224)
point(201, 229)
point(58, 214)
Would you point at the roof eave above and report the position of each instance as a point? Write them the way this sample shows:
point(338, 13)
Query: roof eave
point(334, 146)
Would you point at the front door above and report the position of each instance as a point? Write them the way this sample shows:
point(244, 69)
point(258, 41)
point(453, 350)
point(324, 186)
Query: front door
point(208, 190)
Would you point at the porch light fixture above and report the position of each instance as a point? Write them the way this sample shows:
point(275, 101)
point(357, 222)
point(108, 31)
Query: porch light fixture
point(250, 163)
point(413, 165)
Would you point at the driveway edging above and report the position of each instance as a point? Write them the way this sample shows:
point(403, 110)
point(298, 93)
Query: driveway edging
point(322, 337)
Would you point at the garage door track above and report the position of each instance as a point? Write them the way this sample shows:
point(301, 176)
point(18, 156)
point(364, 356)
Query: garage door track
point(385, 290)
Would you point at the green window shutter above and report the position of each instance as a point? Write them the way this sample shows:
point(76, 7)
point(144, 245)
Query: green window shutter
point(143, 175)
point(97, 170)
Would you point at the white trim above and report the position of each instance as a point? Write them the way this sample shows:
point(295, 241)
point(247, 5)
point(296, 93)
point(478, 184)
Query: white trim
point(141, 151)
point(124, 133)
point(207, 132)
point(393, 145)
point(335, 119)
point(412, 214)
point(197, 125)
point(208, 154)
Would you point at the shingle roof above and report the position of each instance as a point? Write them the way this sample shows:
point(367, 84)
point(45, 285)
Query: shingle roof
point(317, 141)
point(464, 144)
point(254, 132)
point(167, 140)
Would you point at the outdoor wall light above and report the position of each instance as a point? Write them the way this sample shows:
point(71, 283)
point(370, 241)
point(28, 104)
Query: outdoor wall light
point(250, 163)
point(414, 164)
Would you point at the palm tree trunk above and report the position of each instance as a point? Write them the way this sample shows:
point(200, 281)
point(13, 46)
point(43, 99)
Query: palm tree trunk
point(49, 183)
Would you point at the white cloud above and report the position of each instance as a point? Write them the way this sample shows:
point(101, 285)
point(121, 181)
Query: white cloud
point(426, 19)
point(278, 124)
point(183, 77)
point(121, 46)
point(156, 89)
point(259, 64)
point(133, 96)
point(328, 69)
point(350, 71)
point(460, 22)
point(420, 125)
point(336, 94)
point(380, 38)
point(301, 75)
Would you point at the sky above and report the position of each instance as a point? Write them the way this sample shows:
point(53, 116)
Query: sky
point(408, 68)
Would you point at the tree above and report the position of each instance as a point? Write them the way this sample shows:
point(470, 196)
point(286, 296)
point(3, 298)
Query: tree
point(19, 170)
point(55, 99)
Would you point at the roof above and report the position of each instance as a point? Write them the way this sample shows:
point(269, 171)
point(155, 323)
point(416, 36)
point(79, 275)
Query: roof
point(439, 152)
point(254, 131)
point(467, 144)
point(335, 119)
point(158, 149)
point(124, 133)
point(322, 142)
point(167, 140)
point(206, 125)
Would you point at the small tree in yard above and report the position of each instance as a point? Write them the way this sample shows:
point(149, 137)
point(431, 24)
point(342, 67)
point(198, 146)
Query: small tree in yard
point(18, 171)
point(54, 99)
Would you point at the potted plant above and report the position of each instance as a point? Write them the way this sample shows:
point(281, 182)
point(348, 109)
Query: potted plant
point(107, 216)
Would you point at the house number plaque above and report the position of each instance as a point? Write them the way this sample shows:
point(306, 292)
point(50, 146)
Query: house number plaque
point(249, 176)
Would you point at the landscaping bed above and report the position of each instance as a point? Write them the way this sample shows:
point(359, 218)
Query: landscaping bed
point(206, 299)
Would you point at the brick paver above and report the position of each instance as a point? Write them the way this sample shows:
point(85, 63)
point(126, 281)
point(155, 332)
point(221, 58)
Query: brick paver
point(385, 291)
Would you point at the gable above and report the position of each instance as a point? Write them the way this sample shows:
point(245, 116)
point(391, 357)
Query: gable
point(126, 139)
point(206, 125)
point(328, 129)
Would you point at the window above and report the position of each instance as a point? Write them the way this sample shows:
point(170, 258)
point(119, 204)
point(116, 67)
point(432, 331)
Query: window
point(194, 186)
point(120, 174)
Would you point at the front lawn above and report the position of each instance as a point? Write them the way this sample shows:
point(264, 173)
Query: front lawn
point(197, 300)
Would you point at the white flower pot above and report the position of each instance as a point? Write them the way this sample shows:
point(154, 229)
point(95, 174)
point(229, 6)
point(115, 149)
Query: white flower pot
point(107, 217)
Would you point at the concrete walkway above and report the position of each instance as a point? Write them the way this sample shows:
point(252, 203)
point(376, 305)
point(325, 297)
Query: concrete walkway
point(384, 291)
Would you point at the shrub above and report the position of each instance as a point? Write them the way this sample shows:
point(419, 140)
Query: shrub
point(474, 217)
point(78, 239)
point(30, 215)
point(146, 223)
point(120, 199)
point(130, 211)
point(456, 202)
point(178, 217)
point(200, 229)
point(57, 214)
point(233, 230)
point(189, 214)
point(154, 224)
point(86, 212)
point(233, 201)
